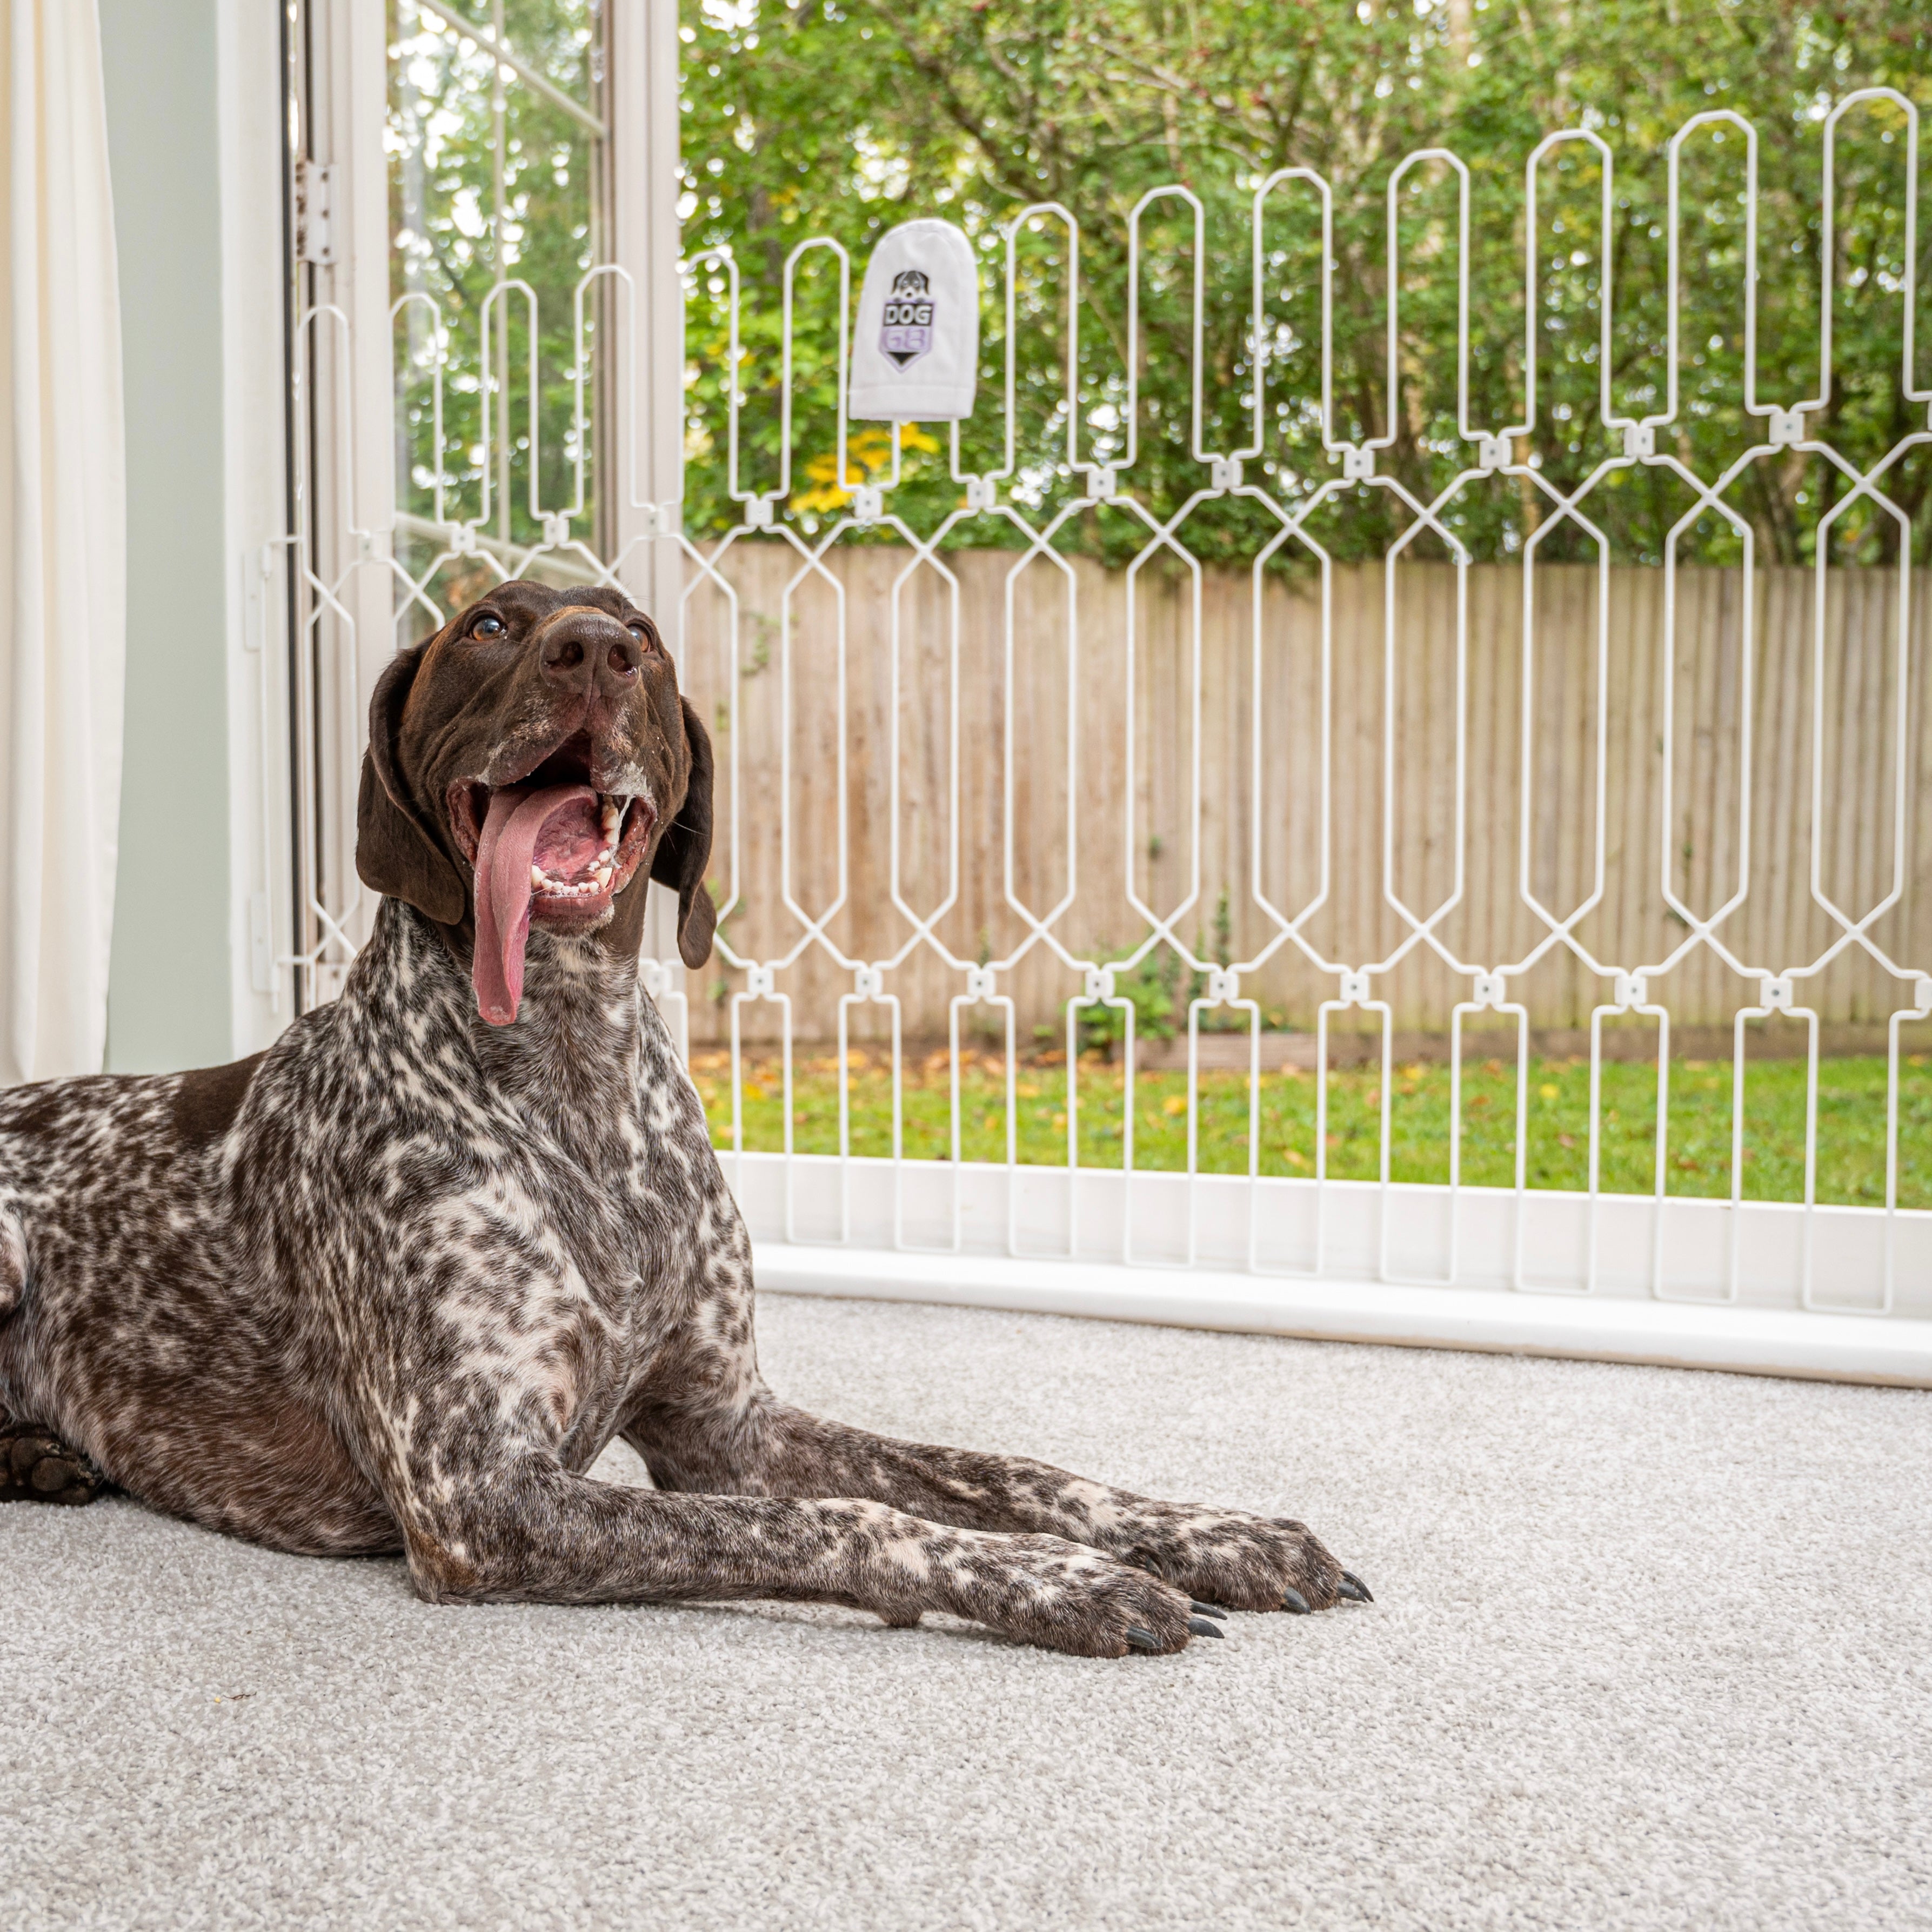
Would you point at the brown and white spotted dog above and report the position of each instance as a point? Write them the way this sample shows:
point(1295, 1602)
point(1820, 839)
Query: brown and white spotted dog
point(395, 1283)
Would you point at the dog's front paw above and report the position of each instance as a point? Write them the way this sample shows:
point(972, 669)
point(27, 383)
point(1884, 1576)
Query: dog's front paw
point(36, 1469)
point(1066, 1597)
point(1228, 1558)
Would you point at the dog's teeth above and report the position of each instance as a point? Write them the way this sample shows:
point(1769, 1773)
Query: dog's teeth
point(598, 880)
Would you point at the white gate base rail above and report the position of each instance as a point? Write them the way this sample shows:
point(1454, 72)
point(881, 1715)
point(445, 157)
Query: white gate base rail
point(1752, 1341)
point(820, 1226)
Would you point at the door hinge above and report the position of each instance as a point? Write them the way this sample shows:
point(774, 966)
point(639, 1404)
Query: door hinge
point(315, 204)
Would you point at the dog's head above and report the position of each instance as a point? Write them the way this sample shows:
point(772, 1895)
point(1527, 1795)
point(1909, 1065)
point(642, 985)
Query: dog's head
point(532, 763)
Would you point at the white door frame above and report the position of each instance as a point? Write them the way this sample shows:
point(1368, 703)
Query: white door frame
point(250, 97)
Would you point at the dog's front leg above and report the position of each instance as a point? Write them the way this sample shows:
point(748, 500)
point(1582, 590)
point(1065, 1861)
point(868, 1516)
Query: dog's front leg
point(745, 1440)
point(527, 1530)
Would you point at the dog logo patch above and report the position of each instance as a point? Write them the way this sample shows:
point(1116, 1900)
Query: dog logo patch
point(907, 334)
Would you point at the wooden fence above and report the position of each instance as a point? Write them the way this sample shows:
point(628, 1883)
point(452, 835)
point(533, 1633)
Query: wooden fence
point(1057, 640)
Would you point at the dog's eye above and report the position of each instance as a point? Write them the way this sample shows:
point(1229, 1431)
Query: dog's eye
point(487, 627)
point(642, 632)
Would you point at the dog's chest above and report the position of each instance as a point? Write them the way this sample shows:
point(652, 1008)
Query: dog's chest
point(545, 1197)
point(562, 1273)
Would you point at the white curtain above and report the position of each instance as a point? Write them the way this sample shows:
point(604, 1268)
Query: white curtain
point(63, 543)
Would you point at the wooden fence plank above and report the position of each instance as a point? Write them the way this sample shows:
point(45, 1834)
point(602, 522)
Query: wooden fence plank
point(1082, 663)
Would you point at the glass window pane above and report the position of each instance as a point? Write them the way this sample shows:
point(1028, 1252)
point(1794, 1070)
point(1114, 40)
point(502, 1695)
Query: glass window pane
point(495, 200)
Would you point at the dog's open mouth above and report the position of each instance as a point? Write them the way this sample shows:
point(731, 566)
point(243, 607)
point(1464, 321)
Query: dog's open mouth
point(549, 848)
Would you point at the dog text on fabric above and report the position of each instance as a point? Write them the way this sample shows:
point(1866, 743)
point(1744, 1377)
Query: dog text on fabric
point(915, 354)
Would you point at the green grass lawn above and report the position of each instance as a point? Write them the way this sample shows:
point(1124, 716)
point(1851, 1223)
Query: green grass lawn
point(1851, 1120)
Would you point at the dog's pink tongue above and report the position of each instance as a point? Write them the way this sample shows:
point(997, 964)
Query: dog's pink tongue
point(514, 822)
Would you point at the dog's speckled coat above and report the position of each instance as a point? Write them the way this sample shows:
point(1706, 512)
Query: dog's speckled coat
point(396, 1282)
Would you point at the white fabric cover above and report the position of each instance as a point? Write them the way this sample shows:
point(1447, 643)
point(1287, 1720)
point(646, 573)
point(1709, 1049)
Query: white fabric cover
point(63, 543)
point(917, 353)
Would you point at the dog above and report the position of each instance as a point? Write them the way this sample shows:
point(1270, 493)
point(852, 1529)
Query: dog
point(393, 1284)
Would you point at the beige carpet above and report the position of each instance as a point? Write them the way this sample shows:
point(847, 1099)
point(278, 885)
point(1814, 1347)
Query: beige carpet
point(1652, 1649)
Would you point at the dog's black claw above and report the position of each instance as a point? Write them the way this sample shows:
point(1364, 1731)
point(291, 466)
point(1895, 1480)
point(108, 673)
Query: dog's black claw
point(1204, 1627)
point(1293, 1600)
point(1207, 1610)
point(1352, 1587)
point(1142, 1639)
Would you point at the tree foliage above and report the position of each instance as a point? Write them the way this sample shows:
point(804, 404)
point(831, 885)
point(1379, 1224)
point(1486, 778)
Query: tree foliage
point(449, 252)
point(843, 117)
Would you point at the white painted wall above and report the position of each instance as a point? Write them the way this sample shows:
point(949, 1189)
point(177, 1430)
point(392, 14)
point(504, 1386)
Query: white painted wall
point(193, 102)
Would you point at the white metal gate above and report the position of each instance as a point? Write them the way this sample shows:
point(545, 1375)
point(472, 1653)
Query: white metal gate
point(1808, 1285)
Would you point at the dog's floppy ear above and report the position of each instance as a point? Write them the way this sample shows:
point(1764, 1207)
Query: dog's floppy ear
point(684, 850)
point(396, 852)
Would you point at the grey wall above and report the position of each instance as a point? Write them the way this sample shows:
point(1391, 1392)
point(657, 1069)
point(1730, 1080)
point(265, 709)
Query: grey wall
point(168, 995)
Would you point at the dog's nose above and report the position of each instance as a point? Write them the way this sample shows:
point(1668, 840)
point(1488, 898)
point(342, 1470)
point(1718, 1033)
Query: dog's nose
point(588, 648)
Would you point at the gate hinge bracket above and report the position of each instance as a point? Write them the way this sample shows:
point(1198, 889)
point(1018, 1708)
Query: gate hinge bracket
point(315, 208)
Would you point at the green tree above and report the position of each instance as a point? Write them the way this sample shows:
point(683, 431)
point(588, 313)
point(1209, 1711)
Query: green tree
point(843, 117)
point(448, 252)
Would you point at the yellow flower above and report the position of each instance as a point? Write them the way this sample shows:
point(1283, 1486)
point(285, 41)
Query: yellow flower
point(868, 453)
